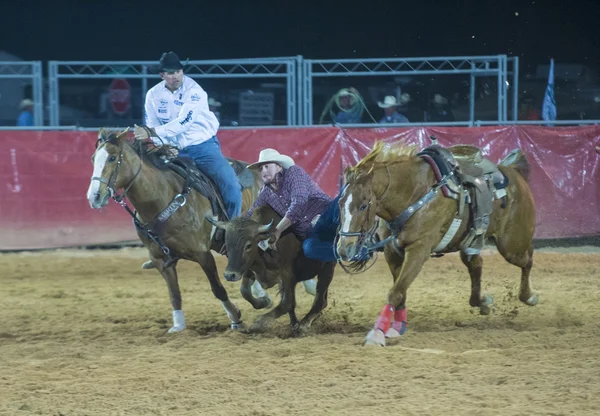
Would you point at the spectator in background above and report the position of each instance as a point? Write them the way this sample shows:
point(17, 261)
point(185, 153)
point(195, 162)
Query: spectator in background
point(390, 109)
point(439, 109)
point(25, 118)
point(527, 110)
point(350, 105)
point(214, 105)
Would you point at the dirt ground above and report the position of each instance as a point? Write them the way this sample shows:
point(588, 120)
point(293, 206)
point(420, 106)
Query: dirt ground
point(83, 332)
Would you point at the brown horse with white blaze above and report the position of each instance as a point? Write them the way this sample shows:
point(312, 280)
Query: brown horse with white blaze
point(163, 202)
point(403, 188)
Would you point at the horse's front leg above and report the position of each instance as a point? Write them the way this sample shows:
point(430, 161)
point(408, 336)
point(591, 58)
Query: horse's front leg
point(395, 259)
point(414, 258)
point(170, 275)
point(207, 262)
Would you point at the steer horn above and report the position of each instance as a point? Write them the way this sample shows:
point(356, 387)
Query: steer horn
point(265, 228)
point(218, 224)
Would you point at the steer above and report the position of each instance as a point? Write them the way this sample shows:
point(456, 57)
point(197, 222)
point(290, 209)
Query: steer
point(286, 266)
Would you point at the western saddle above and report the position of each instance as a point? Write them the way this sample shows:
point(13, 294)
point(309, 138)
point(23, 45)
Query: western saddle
point(471, 179)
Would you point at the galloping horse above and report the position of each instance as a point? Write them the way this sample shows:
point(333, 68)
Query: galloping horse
point(424, 217)
point(169, 215)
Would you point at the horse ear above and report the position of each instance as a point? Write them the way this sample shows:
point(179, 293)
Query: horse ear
point(219, 224)
point(102, 134)
point(120, 135)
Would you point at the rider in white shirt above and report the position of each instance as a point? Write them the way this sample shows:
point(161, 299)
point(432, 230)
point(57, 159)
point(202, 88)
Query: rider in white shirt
point(176, 112)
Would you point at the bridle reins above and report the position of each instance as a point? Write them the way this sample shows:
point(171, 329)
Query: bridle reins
point(110, 184)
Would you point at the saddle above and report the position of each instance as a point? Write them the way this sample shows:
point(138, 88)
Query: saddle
point(187, 169)
point(470, 179)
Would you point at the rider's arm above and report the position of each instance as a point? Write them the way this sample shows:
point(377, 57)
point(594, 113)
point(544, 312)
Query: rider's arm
point(190, 111)
point(260, 201)
point(298, 181)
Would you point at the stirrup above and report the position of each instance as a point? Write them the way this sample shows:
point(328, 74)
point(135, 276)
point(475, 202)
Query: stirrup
point(476, 245)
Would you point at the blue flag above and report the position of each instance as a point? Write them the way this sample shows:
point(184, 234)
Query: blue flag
point(549, 106)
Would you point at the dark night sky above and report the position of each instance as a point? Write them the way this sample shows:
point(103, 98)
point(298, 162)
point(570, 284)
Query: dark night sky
point(110, 30)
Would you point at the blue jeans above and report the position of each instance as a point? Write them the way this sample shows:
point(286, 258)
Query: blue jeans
point(319, 245)
point(212, 163)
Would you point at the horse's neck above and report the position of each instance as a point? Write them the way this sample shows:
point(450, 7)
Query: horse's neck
point(405, 183)
point(152, 190)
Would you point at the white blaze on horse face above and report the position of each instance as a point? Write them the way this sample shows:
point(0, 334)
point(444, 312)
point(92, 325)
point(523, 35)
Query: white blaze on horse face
point(347, 215)
point(99, 162)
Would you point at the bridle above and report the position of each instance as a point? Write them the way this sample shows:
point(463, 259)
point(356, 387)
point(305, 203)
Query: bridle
point(366, 238)
point(110, 184)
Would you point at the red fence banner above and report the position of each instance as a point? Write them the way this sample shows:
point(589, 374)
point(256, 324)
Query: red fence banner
point(45, 175)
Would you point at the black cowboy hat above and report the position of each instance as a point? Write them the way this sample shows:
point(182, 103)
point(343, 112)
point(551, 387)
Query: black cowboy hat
point(169, 62)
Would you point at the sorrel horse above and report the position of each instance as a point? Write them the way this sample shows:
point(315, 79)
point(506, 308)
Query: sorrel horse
point(401, 187)
point(162, 203)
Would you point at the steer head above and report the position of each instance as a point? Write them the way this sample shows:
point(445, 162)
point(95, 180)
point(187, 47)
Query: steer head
point(242, 236)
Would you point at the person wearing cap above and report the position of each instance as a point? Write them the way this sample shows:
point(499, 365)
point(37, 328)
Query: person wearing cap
point(25, 118)
point(177, 114)
point(390, 105)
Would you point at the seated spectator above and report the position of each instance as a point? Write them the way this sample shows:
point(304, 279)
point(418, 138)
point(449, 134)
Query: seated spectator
point(390, 107)
point(439, 110)
point(26, 115)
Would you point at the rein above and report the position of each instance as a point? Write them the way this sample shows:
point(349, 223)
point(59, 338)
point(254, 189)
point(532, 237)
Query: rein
point(365, 238)
point(153, 229)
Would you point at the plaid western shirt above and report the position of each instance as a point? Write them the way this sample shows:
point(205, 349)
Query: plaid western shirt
point(298, 197)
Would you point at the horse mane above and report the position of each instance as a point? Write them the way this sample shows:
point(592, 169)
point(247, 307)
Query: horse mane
point(146, 150)
point(385, 154)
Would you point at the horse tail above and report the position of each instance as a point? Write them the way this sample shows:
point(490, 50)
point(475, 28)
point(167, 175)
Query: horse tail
point(518, 161)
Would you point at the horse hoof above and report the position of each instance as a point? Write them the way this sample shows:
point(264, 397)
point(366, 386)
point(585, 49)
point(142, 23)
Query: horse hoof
point(394, 332)
point(375, 337)
point(310, 286)
point(485, 307)
point(533, 300)
point(176, 329)
point(238, 326)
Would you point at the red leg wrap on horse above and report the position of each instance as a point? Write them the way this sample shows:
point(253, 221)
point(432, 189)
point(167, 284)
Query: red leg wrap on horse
point(385, 317)
point(400, 315)
point(400, 321)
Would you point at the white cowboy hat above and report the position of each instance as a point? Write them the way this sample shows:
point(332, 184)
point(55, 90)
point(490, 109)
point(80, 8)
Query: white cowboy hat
point(272, 156)
point(213, 103)
point(439, 99)
point(25, 103)
point(388, 101)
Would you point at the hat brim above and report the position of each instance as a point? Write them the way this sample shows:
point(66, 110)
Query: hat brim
point(157, 69)
point(383, 105)
point(283, 160)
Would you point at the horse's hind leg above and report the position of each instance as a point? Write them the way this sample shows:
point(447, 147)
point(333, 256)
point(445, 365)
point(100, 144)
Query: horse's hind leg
point(325, 277)
point(207, 262)
point(170, 276)
point(474, 264)
point(524, 260)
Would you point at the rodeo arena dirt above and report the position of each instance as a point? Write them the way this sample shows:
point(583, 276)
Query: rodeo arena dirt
point(85, 330)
